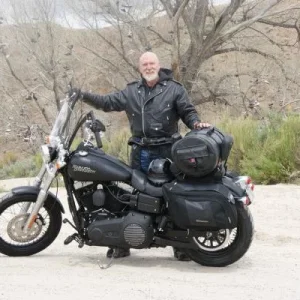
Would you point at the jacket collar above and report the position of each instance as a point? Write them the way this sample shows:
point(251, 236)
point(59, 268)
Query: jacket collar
point(140, 83)
point(164, 76)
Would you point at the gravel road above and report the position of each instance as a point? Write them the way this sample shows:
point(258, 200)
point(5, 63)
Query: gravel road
point(269, 270)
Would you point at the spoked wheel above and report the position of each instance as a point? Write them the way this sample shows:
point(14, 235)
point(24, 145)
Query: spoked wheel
point(225, 246)
point(212, 241)
point(14, 211)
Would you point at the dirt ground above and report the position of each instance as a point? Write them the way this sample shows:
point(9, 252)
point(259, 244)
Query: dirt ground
point(269, 270)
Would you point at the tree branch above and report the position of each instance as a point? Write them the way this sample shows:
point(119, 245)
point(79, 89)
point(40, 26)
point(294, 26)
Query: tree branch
point(279, 45)
point(109, 62)
point(168, 7)
point(180, 11)
point(277, 24)
point(167, 41)
point(265, 55)
point(177, 13)
point(233, 30)
point(214, 36)
point(42, 110)
point(220, 81)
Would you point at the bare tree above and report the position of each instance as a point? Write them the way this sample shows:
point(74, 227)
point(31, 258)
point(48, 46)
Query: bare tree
point(46, 49)
point(194, 34)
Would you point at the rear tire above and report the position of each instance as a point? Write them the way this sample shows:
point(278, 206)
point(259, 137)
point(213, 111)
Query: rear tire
point(235, 250)
point(12, 243)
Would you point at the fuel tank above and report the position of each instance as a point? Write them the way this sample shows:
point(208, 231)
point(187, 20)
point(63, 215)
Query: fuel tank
point(93, 164)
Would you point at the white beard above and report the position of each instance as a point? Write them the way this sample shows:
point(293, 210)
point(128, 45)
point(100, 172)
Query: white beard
point(150, 77)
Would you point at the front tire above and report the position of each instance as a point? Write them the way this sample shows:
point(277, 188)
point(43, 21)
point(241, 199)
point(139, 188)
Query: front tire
point(13, 242)
point(215, 256)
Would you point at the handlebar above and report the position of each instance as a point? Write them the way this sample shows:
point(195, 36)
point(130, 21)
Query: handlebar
point(97, 133)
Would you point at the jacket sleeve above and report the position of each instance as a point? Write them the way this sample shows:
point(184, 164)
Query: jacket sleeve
point(186, 110)
point(110, 102)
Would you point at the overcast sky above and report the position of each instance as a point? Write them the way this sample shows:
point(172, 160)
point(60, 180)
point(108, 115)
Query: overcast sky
point(63, 9)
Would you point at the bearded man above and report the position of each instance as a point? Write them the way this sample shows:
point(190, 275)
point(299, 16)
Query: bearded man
point(153, 104)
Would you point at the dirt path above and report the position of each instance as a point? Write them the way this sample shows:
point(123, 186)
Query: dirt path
point(270, 269)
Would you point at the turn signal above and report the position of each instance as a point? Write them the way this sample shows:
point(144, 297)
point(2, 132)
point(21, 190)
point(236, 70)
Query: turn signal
point(59, 164)
point(249, 180)
point(247, 201)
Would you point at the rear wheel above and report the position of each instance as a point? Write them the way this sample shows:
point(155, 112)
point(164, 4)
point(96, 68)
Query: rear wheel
point(224, 247)
point(13, 241)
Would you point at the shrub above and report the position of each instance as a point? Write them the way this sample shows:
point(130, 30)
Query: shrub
point(24, 168)
point(8, 158)
point(267, 151)
point(117, 146)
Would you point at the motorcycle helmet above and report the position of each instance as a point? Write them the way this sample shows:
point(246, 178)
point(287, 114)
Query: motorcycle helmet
point(159, 171)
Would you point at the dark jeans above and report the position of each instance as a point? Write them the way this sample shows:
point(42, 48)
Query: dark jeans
point(141, 157)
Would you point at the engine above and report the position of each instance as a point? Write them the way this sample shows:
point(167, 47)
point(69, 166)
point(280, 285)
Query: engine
point(135, 230)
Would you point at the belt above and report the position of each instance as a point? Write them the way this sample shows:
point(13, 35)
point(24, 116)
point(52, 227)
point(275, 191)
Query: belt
point(145, 141)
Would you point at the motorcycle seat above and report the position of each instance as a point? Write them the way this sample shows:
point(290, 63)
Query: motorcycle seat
point(140, 182)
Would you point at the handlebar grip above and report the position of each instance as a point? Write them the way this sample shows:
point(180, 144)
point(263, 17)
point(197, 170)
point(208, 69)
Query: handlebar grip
point(98, 139)
point(97, 134)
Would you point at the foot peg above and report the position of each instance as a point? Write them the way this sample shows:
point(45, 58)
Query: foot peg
point(69, 239)
point(74, 237)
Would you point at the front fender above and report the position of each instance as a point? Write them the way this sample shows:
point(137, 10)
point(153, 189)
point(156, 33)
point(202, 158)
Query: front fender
point(32, 190)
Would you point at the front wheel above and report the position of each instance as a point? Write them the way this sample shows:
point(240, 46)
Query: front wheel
point(15, 242)
point(224, 247)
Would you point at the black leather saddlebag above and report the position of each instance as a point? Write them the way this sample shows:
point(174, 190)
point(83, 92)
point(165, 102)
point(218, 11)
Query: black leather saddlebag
point(201, 152)
point(200, 206)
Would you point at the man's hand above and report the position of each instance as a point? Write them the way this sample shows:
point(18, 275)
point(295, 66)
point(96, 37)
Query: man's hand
point(75, 91)
point(97, 126)
point(199, 125)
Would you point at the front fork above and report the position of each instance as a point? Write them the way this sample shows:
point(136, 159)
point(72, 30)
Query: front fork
point(37, 183)
point(42, 181)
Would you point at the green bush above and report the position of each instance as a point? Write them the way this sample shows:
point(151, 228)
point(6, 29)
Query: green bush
point(24, 168)
point(8, 158)
point(267, 151)
point(118, 145)
point(75, 143)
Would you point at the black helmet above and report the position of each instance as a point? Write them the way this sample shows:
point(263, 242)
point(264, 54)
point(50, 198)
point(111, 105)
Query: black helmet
point(159, 171)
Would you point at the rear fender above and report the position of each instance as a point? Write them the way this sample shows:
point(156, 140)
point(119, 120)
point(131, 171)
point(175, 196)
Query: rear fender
point(32, 190)
point(234, 188)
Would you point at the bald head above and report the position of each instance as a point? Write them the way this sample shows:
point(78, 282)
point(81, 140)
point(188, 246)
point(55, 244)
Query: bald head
point(149, 66)
point(149, 56)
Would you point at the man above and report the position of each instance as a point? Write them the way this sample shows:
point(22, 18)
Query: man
point(154, 104)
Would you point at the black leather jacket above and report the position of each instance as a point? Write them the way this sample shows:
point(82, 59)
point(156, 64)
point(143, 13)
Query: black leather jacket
point(151, 112)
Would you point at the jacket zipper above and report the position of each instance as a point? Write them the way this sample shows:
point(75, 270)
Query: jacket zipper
point(143, 110)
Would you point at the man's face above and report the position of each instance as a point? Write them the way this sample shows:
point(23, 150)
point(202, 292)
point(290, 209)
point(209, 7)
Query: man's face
point(149, 67)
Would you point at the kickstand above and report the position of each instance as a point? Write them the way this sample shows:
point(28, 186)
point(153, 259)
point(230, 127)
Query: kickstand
point(104, 267)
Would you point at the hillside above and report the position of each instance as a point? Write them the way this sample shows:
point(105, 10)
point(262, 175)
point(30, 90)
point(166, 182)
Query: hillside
point(39, 61)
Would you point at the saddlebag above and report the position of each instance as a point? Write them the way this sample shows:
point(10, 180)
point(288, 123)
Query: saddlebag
point(201, 152)
point(200, 206)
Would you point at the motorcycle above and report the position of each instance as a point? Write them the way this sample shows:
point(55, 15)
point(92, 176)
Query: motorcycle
point(116, 206)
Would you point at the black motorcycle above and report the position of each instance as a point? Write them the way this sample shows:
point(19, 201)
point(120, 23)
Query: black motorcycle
point(190, 203)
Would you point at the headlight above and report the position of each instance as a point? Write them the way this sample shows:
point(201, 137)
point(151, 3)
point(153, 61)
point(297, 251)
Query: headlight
point(45, 154)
